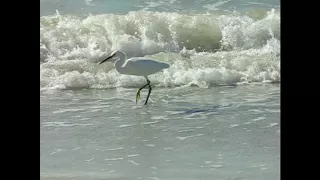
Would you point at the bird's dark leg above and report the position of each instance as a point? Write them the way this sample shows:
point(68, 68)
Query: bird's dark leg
point(138, 93)
point(148, 93)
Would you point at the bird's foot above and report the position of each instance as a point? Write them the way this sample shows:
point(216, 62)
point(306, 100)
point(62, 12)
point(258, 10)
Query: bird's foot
point(145, 103)
point(138, 96)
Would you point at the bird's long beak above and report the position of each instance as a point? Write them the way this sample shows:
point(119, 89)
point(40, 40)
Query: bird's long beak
point(106, 59)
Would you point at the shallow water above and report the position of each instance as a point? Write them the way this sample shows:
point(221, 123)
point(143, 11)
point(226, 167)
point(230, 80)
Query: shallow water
point(183, 133)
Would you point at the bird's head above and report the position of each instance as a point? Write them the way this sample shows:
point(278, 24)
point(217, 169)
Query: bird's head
point(112, 57)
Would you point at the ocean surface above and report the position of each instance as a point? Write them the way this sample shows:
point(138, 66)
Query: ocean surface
point(214, 114)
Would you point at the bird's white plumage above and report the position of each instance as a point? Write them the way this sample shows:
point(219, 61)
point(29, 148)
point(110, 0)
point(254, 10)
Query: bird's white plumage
point(138, 66)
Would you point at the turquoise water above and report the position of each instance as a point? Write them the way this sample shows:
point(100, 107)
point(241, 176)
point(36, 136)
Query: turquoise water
point(214, 114)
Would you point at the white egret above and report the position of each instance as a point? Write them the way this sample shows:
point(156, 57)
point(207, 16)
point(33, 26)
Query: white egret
point(138, 66)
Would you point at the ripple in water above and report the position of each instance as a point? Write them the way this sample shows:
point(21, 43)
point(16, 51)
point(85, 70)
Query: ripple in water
point(133, 162)
point(133, 155)
point(186, 137)
point(259, 118)
point(63, 124)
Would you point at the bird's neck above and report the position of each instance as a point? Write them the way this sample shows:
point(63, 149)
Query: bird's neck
point(121, 61)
